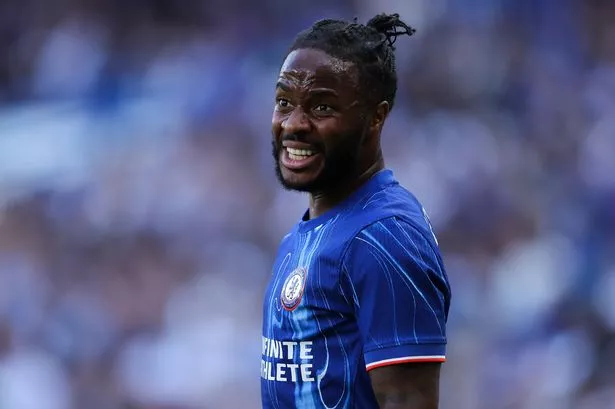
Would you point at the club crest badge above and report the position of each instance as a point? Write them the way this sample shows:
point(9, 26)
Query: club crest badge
point(292, 290)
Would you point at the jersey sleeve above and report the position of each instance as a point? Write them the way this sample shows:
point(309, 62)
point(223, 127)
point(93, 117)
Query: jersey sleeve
point(393, 275)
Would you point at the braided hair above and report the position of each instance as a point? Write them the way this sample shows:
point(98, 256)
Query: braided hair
point(370, 47)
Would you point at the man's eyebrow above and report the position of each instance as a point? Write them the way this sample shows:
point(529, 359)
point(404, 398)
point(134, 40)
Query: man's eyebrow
point(324, 92)
point(316, 91)
point(281, 85)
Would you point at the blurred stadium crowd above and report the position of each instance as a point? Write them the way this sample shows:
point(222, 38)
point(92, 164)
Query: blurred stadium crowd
point(139, 212)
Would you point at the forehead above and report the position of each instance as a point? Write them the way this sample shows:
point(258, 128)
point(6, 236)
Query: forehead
point(312, 67)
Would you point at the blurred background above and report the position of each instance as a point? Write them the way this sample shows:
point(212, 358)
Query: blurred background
point(139, 212)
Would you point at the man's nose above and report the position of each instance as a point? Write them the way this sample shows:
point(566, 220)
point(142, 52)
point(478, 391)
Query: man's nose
point(297, 122)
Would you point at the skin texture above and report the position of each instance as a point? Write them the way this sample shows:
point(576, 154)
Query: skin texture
point(407, 386)
point(320, 105)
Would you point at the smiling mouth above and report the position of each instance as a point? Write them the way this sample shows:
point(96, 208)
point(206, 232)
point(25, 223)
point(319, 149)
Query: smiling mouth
point(298, 159)
point(299, 154)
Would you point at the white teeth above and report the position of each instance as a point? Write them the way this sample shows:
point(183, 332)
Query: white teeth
point(298, 154)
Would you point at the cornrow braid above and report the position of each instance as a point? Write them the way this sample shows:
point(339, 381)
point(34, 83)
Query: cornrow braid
point(369, 46)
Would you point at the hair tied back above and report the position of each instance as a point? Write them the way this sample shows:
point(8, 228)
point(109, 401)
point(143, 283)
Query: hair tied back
point(390, 26)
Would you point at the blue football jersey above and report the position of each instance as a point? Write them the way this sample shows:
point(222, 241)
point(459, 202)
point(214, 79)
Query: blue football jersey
point(360, 287)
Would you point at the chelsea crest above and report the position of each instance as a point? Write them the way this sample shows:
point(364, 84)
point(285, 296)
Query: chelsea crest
point(292, 290)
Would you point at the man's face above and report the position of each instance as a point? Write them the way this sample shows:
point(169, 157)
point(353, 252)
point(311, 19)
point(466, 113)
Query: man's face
point(318, 124)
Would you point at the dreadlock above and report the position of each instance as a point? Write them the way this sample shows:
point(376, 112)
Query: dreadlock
point(370, 47)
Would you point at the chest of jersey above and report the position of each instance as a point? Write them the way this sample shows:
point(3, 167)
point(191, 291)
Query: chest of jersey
point(304, 298)
point(309, 333)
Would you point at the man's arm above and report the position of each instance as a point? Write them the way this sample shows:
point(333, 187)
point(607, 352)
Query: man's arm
point(407, 386)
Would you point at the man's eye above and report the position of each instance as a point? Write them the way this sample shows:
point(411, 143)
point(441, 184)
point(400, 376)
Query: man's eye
point(323, 108)
point(282, 103)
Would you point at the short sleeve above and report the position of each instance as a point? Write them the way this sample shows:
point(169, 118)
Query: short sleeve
point(395, 278)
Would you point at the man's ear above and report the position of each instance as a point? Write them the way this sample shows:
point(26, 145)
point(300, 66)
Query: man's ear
point(382, 111)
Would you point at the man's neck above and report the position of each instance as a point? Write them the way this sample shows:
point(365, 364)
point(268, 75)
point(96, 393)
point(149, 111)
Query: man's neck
point(322, 202)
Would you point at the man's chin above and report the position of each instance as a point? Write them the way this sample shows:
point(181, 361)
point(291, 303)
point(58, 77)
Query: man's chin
point(299, 181)
point(299, 185)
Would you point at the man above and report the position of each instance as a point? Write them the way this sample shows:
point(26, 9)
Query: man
point(356, 309)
